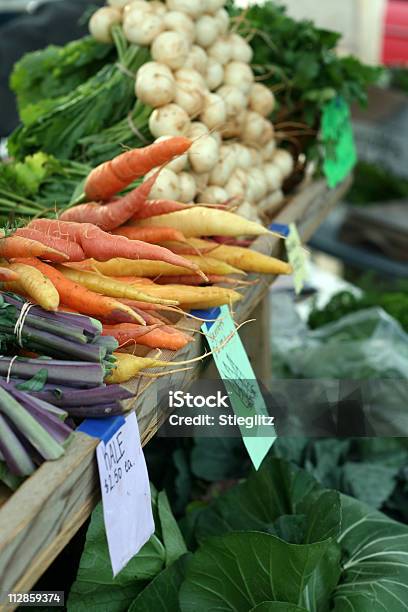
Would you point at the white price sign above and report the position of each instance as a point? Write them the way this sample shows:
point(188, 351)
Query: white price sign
point(127, 508)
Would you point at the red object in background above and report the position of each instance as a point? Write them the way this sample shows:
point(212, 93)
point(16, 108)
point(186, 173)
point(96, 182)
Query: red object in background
point(395, 44)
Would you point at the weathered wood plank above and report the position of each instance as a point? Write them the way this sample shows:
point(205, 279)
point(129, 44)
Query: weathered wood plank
point(42, 516)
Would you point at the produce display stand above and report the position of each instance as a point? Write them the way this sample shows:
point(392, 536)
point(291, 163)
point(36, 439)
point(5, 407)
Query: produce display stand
point(41, 517)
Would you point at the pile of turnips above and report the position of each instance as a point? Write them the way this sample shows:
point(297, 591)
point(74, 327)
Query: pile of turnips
point(200, 84)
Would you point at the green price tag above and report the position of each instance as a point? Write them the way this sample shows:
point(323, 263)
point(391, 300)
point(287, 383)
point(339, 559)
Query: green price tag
point(338, 139)
point(298, 257)
point(240, 382)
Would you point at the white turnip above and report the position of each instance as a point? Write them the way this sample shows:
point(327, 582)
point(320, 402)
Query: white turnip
point(179, 22)
point(213, 195)
point(166, 186)
point(206, 31)
point(155, 86)
point(241, 51)
point(188, 187)
point(102, 21)
point(214, 111)
point(169, 119)
point(171, 48)
point(284, 160)
point(203, 154)
point(261, 99)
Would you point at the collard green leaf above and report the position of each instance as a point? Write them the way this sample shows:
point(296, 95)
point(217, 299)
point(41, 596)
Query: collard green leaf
point(371, 483)
point(162, 594)
point(277, 606)
point(318, 593)
point(95, 589)
point(172, 539)
point(215, 459)
point(277, 489)
point(375, 558)
point(237, 571)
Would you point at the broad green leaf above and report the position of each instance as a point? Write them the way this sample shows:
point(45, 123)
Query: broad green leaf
point(95, 589)
point(237, 571)
point(162, 594)
point(219, 458)
point(371, 483)
point(317, 596)
point(277, 606)
point(375, 561)
point(172, 539)
point(277, 489)
point(290, 527)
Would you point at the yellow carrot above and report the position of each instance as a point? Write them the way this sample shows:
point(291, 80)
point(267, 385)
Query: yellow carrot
point(145, 267)
point(201, 221)
point(196, 297)
point(112, 288)
point(128, 366)
point(245, 259)
point(34, 284)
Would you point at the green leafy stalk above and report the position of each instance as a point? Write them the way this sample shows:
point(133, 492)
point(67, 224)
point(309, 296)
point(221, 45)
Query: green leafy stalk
point(57, 125)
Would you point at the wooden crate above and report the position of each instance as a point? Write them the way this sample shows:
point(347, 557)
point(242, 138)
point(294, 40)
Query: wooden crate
point(41, 517)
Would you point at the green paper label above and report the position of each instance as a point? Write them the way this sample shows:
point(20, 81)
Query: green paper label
point(337, 135)
point(240, 382)
point(298, 258)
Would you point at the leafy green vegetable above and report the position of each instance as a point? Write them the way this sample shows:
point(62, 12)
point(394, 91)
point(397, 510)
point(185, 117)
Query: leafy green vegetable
point(56, 125)
point(300, 63)
point(395, 303)
point(39, 184)
point(277, 542)
point(238, 570)
point(55, 71)
point(276, 490)
point(162, 593)
point(277, 606)
point(130, 132)
point(373, 184)
point(375, 570)
point(95, 589)
point(172, 539)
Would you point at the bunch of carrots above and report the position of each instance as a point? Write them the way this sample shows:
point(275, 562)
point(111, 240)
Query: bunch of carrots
point(127, 260)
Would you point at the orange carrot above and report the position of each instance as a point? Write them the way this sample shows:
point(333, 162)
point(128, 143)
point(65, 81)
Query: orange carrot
point(77, 297)
point(136, 305)
point(113, 214)
point(150, 234)
point(112, 176)
point(102, 246)
point(17, 246)
point(126, 333)
point(71, 249)
point(159, 207)
point(7, 275)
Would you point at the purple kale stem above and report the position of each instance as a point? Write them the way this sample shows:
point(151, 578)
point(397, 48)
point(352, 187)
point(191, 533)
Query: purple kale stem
point(87, 397)
point(57, 344)
point(70, 373)
point(96, 412)
point(53, 424)
point(88, 324)
point(12, 450)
